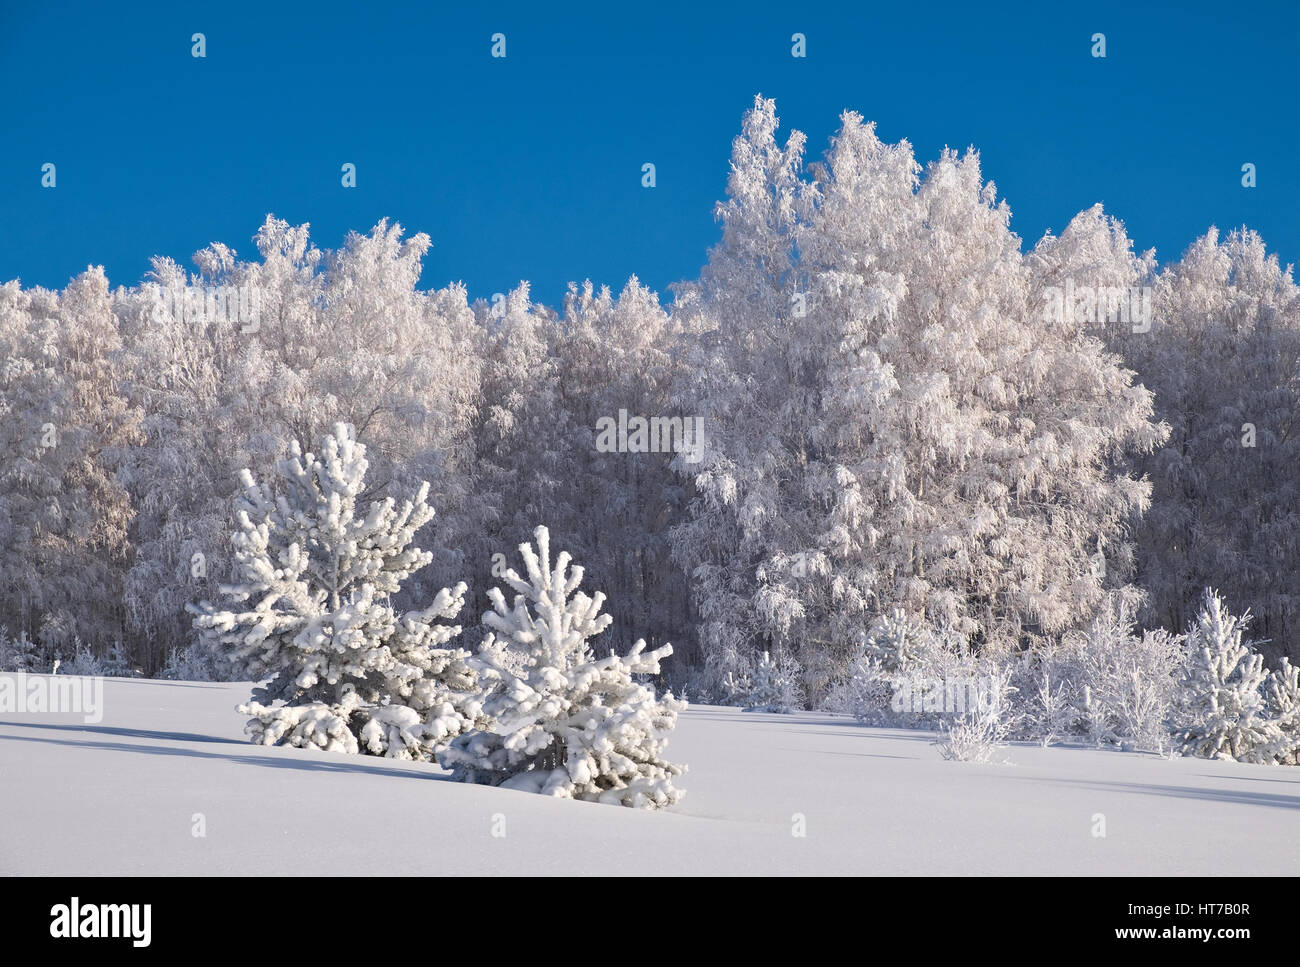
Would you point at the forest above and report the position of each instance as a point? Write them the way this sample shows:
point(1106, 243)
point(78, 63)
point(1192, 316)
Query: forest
point(877, 433)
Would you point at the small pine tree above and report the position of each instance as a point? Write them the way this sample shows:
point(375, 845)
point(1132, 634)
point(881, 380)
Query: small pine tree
point(83, 661)
point(118, 662)
point(1284, 706)
point(568, 724)
point(1226, 713)
point(190, 664)
point(774, 685)
point(895, 641)
point(20, 654)
point(736, 686)
point(313, 611)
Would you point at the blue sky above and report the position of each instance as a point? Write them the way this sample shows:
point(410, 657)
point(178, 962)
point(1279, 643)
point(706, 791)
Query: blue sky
point(530, 167)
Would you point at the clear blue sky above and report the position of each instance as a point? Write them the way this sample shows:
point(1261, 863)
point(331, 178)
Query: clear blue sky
point(530, 167)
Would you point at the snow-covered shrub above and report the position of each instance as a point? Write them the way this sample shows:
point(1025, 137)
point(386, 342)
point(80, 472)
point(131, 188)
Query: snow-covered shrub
point(21, 653)
point(734, 686)
point(1284, 709)
point(864, 692)
point(773, 685)
point(1051, 691)
point(117, 663)
point(725, 677)
point(571, 725)
point(319, 566)
point(1130, 681)
point(910, 675)
point(1107, 684)
point(83, 661)
point(194, 663)
point(1225, 713)
point(689, 683)
point(1141, 694)
point(893, 643)
point(1049, 712)
point(984, 727)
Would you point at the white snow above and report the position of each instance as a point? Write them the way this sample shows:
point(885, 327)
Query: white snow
point(120, 797)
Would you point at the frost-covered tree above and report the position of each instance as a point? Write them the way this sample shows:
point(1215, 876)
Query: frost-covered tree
point(567, 723)
point(521, 460)
point(20, 653)
point(1126, 683)
point(319, 563)
point(182, 476)
point(1284, 709)
point(978, 449)
point(547, 383)
point(895, 426)
point(1226, 711)
point(64, 427)
point(1223, 360)
point(738, 317)
point(307, 339)
point(615, 353)
point(775, 685)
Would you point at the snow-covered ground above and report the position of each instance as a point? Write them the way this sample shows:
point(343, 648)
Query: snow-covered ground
point(121, 796)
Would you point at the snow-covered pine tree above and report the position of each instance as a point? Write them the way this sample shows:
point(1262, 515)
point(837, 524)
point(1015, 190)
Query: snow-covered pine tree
point(568, 724)
point(340, 336)
point(735, 686)
point(1226, 712)
point(896, 641)
point(1284, 707)
point(319, 565)
point(774, 685)
point(19, 653)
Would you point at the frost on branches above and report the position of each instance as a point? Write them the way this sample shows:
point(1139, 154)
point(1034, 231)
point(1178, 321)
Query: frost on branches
point(893, 426)
point(907, 673)
point(773, 685)
point(319, 564)
point(1226, 703)
point(568, 724)
point(1284, 702)
point(1110, 683)
point(981, 730)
